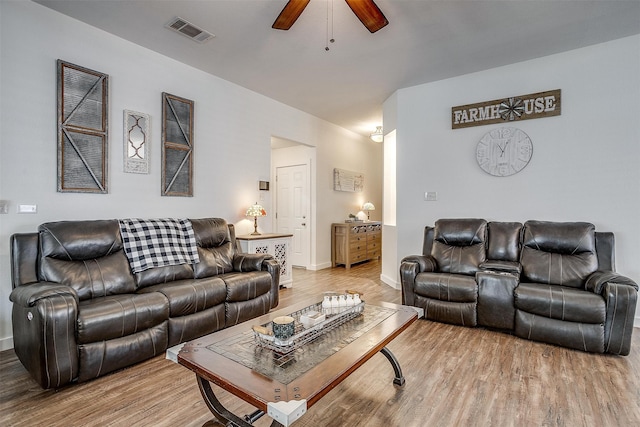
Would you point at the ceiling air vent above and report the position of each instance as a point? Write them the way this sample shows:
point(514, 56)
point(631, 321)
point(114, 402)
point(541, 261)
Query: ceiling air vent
point(188, 29)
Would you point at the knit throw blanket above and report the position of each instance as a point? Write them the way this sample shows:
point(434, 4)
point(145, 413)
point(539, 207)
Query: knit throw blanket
point(158, 242)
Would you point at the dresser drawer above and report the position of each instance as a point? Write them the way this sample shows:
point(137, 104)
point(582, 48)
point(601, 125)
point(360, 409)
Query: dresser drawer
point(374, 253)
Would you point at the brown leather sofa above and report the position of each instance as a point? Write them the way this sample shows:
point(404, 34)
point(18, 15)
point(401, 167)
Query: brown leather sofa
point(79, 312)
point(553, 282)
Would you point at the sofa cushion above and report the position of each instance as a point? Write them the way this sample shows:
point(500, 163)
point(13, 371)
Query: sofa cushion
point(504, 241)
point(191, 296)
point(169, 273)
point(459, 245)
point(241, 311)
point(79, 240)
point(117, 316)
point(85, 255)
point(215, 247)
point(581, 336)
point(99, 277)
point(446, 287)
point(101, 357)
point(460, 232)
point(558, 253)
point(560, 302)
point(456, 313)
point(458, 259)
point(246, 286)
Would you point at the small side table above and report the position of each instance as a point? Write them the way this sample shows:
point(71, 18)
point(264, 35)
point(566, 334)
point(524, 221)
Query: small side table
point(278, 245)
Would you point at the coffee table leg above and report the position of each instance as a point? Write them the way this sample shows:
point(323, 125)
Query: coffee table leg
point(399, 379)
point(221, 413)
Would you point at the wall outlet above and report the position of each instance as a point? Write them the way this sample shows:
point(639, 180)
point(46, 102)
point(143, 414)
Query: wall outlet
point(431, 196)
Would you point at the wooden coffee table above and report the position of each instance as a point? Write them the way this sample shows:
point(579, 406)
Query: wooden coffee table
point(284, 387)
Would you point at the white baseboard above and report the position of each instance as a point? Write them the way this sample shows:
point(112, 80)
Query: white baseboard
point(316, 267)
point(390, 281)
point(6, 343)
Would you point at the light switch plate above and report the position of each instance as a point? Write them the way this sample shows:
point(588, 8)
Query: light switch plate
point(431, 196)
point(27, 208)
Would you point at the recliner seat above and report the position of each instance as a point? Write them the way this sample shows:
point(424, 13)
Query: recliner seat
point(546, 281)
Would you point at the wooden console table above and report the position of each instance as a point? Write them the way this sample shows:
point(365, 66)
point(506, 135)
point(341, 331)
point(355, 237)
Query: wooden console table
point(278, 245)
point(353, 242)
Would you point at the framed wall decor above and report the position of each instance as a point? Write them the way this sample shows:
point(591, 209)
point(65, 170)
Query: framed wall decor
point(177, 146)
point(344, 180)
point(137, 143)
point(83, 142)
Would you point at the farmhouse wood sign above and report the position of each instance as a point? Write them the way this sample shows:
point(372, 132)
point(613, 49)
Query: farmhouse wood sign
point(523, 107)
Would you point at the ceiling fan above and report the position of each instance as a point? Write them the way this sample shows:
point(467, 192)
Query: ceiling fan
point(366, 10)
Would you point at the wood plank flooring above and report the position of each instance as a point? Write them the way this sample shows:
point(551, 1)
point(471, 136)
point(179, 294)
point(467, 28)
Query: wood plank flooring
point(455, 376)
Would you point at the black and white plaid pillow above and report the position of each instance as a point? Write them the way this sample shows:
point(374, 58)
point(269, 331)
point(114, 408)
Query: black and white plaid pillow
point(152, 243)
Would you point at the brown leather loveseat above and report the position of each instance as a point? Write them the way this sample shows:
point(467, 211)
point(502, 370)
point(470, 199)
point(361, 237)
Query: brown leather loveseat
point(553, 282)
point(79, 312)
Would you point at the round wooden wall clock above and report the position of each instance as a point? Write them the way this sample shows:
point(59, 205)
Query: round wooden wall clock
point(504, 151)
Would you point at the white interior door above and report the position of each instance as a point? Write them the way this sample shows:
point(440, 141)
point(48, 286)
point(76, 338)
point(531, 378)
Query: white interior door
point(292, 210)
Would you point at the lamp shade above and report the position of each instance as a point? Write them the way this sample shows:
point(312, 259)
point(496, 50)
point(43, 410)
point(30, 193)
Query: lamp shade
point(256, 210)
point(368, 206)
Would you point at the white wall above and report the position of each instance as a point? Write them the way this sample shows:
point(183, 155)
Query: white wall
point(335, 206)
point(585, 161)
point(233, 129)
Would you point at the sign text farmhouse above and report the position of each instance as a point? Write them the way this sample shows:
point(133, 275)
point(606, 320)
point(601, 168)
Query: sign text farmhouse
point(531, 106)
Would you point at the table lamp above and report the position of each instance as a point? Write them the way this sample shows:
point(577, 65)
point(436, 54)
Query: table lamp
point(255, 211)
point(367, 207)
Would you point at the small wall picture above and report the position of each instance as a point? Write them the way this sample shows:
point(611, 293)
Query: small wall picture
point(137, 142)
point(344, 180)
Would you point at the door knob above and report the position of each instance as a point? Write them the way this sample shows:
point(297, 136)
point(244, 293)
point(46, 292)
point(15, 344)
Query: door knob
point(304, 224)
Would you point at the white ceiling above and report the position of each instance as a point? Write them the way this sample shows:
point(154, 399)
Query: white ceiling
point(425, 41)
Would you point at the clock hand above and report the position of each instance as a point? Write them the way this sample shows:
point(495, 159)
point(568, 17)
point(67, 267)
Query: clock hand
point(505, 147)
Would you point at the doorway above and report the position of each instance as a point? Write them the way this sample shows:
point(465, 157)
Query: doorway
point(292, 210)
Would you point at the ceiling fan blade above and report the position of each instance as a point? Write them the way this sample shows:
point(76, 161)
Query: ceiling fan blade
point(369, 14)
point(289, 14)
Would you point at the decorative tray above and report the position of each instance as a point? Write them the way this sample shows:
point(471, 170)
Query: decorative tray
point(302, 334)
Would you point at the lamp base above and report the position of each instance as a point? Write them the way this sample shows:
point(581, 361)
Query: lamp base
point(255, 226)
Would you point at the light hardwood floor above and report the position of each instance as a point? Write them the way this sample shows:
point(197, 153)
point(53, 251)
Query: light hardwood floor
point(455, 376)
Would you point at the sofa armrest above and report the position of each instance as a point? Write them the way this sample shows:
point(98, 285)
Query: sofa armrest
point(410, 266)
point(273, 267)
point(243, 262)
point(426, 263)
point(29, 295)
point(621, 303)
point(44, 318)
point(596, 281)
point(501, 266)
point(620, 295)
